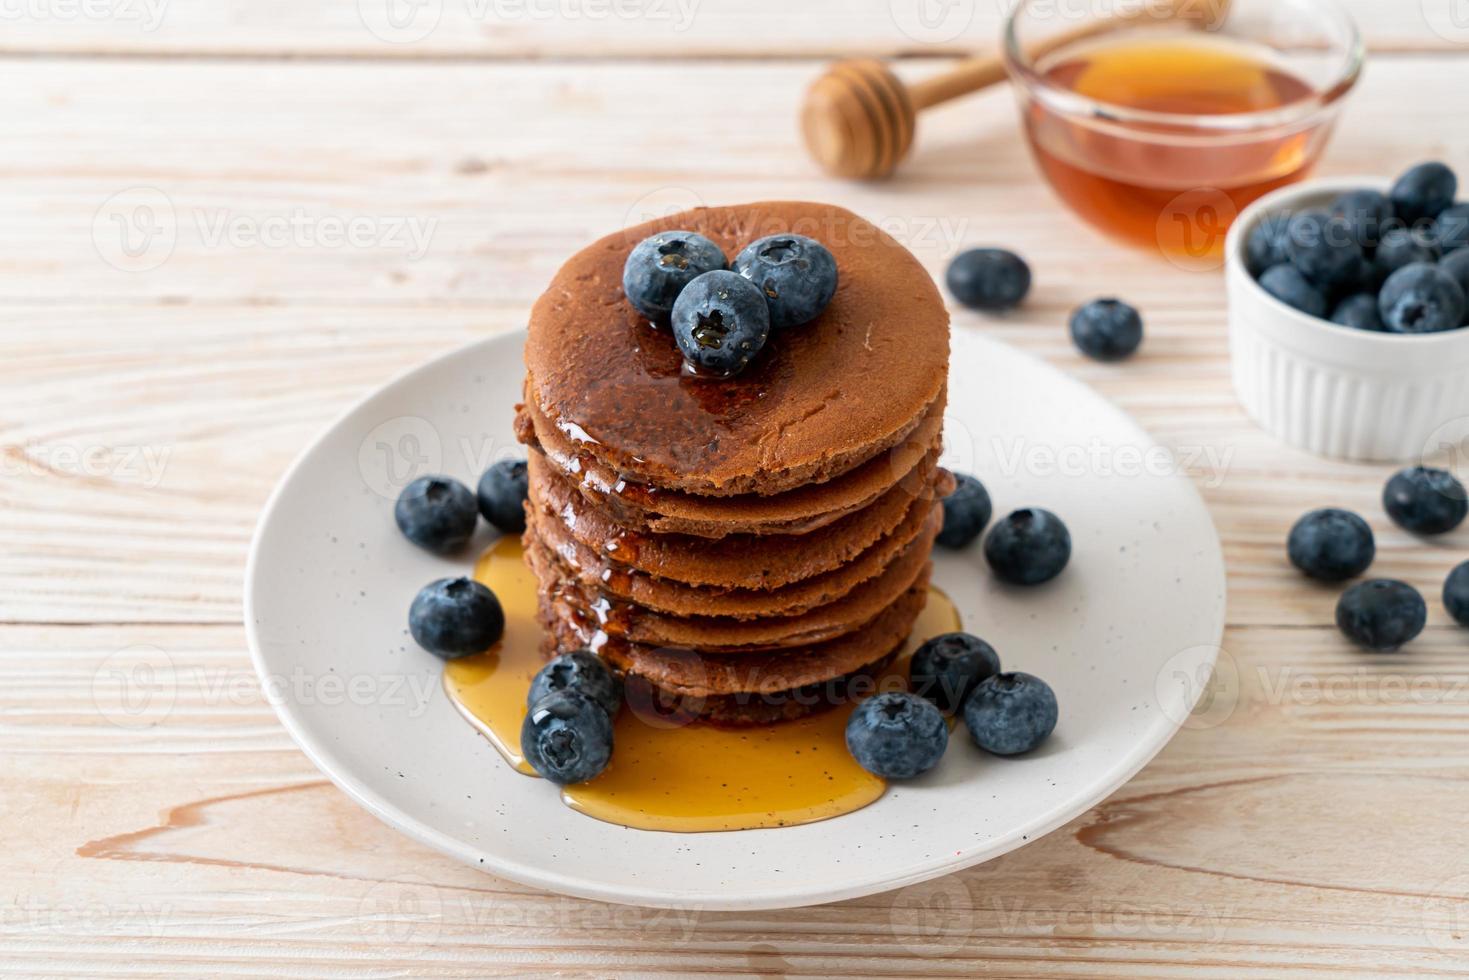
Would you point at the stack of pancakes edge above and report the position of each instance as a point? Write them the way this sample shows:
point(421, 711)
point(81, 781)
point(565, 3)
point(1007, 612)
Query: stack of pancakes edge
point(739, 549)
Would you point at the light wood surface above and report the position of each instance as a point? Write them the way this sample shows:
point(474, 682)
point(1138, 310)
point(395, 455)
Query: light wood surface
point(1309, 822)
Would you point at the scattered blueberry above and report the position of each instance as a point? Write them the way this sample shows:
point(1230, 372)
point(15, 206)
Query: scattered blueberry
point(1456, 265)
point(1331, 544)
point(658, 268)
point(1423, 192)
point(1286, 284)
point(1106, 329)
point(1452, 228)
point(579, 670)
point(1403, 246)
point(947, 668)
point(567, 737)
point(1381, 614)
point(436, 513)
point(1425, 500)
point(1028, 547)
point(501, 495)
point(1456, 594)
point(897, 735)
point(1358, 310)
point(1365, 213)
point(797, 275)
point(1322, 249)
point(454, 617)
point(966, 511)
point(988, 278)
point(1265, 245)
point(1421, 298)
point(720, 322)
point(1010, 713)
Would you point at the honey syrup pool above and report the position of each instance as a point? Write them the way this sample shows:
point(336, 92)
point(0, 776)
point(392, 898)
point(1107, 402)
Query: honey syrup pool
point(690, 778)
point(1171, 185)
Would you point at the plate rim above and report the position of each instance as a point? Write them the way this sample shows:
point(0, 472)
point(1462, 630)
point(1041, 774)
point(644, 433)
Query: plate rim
point(643, 895)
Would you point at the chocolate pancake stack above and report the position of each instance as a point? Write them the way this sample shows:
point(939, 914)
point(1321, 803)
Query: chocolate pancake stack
point(738, 548)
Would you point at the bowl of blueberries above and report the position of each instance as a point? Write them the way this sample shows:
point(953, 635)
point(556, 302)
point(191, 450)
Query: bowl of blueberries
point(1348, 300)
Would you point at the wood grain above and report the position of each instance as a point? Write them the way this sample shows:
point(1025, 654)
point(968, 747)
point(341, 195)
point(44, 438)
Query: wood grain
point(1308, 821)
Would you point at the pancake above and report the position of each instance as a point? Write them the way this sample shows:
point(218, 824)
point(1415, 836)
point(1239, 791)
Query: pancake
point(596, 572)
point(727, 634)
point(803, 412)
point(799, 511)
point(739, 561)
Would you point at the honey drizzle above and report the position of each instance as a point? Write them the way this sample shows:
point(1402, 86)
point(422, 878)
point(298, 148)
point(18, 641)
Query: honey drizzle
point(691, 778)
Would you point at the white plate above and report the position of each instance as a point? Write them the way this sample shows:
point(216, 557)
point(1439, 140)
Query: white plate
point(1126, 636)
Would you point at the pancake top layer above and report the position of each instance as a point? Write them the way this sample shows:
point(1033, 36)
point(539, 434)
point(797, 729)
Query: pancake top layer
point(819, 399)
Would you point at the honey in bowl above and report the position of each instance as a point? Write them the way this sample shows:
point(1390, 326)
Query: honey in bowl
point(688, 778)
point(1172, 181)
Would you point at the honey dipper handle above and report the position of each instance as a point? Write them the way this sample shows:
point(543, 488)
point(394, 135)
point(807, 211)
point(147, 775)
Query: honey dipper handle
point(969, 75)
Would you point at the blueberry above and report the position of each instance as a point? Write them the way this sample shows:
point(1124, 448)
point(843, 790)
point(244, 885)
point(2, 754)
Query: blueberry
point(1265, 244)
point(947, 668)
point(454, 617)
point(897, 735)
point(1452, 228)
point(579, 670)
point(1331, 544)
point(1358, 310)
point(797, 275)
point(1403, 246)
point(720, 322)
point(988, 279)
point(1106, 329)
point(436, 513)
point(1381, 614)
point(1456, 265)
point(1425, 500)
point(1323, 249)
point(567, 737)
point(501, 495)
point(1423, 191)
point(1010, 713)
point(966, 511)
point(1365, 213)
point(1421, 298)
point(1028, 547)
point(659, 267)
point(1456, 594)
point(1286, 284)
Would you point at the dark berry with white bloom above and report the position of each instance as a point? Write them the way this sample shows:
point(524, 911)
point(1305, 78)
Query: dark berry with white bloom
point(567, 737)
point(1323, 249)
point(1366, 213)
point(660, 266)
point(721, 321)
point(1286, 284)
point(1381, 614)
point(1456, 593)
point(501, 495)
point(1265, 244)
point(1011, 713)
point(947, 668)
point(798, 276)
point(436, 513)
point(966, 512)
point(1421, 298)
point(1425, 500)
point(1331, 544)
point(1107, 329)
point(1358, 311)
point(1451, 230)
point(897, 735)
point(1456, 266)
point(1404, 246)
point(1423, 191)
point(455, 617)
point(1028, 547)
point(990, 279)
point(579, 670)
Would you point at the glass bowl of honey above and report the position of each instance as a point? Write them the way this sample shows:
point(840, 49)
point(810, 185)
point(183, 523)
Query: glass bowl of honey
point(1158, 121)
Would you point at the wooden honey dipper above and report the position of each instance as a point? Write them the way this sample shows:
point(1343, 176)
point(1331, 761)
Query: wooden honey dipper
point(859, 118)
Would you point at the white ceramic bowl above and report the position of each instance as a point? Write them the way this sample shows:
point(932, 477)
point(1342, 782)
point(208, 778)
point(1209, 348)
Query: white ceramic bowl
point(1333, 390)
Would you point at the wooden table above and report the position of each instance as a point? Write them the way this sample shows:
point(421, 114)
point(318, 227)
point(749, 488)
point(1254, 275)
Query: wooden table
point(225, 220)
